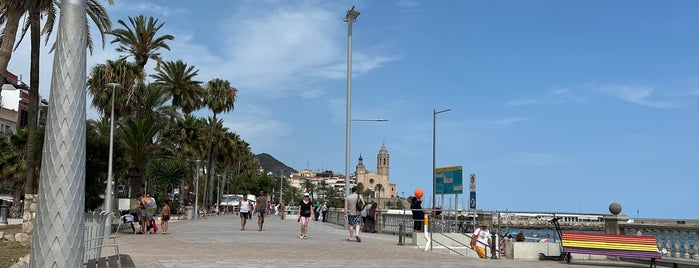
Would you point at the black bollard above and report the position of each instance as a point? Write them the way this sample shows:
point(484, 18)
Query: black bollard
point(401, 234)
point(3, 212)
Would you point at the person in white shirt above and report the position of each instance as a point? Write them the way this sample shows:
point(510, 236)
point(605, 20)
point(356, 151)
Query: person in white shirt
point(483, 236)
point(244, 209)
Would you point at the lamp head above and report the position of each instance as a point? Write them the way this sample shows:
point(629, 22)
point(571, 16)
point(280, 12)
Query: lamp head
point(351, 15)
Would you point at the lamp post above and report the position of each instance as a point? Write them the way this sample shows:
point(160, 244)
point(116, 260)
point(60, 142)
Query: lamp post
point(281, 186)
point(434, 145)
point(60, 207)
point(196, 190)
point(110, 176)
point(350, 18)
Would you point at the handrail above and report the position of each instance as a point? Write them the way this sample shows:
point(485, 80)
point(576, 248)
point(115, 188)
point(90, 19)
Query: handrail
point(452, 230)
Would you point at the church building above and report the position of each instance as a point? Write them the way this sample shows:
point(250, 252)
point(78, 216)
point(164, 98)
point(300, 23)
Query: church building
point(370, 179)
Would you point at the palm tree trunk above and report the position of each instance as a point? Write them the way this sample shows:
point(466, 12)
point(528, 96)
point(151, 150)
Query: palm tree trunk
point(14, 13)
point(35, 36)
point(210, 170)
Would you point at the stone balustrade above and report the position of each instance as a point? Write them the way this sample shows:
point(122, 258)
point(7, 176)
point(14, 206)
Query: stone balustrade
point(673, 240)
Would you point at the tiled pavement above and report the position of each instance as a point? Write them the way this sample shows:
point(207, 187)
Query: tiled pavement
point(217, 241)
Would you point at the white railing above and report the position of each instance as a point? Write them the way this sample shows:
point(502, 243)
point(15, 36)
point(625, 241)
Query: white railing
point(673, 240)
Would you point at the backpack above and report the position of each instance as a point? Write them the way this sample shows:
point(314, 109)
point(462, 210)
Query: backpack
point(360, 204)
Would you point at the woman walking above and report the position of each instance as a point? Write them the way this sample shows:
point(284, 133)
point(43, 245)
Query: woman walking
point(244, 209)
point(305, 212)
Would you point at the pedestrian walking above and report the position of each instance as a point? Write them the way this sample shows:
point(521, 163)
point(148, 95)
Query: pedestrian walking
point(371, 218)
point(260, 209)
point(483, 236)
point(352, 214)
point(305, 214)
point(282, 210)
point(244, 209)
point(324, 212)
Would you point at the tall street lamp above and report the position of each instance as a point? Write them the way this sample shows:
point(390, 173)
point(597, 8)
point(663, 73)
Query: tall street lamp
point(196, 190)
point(110, 175)
point(60, 206)
point(350, 18)
point(434, 168)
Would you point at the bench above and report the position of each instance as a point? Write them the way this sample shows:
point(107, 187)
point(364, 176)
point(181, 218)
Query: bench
point(115, 261)
point(630, 246)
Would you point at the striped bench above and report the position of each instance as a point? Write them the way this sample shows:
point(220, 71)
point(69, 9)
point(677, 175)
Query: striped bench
point(630, 246)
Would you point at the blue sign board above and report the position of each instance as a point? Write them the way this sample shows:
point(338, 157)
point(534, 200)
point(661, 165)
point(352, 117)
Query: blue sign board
point(449, 180)
point(472, 201)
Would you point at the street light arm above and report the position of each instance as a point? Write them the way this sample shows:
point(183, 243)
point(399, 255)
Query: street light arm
point(371, 120)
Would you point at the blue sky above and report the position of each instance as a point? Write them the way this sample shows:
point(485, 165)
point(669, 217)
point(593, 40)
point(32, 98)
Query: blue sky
point(560, 106)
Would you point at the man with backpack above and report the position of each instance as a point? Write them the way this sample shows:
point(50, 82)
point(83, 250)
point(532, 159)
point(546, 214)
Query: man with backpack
point(353, 207)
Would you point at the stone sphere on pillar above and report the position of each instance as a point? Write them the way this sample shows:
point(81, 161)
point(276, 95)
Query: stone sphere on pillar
point(615, 208)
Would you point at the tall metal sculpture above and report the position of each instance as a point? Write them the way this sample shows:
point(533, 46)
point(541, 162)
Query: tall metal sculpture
point(58, 231)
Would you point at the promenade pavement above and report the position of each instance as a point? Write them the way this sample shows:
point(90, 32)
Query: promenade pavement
point(217, 241)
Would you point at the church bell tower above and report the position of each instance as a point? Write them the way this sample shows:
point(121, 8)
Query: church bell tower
point(382, 160)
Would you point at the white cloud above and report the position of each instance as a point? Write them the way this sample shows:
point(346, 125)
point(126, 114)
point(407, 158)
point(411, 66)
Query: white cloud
point(286, 49)
point(253, 124)
point(408, 3)
point(509, 121)
point(641, 95)
point(523, 102)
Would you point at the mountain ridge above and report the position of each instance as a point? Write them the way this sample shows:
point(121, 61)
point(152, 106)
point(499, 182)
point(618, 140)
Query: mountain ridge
point(270, 164)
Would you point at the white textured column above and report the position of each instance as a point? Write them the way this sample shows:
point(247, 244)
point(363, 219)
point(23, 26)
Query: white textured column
point(58, 231)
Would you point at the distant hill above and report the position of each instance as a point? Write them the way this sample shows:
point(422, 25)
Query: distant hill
point(271, 164)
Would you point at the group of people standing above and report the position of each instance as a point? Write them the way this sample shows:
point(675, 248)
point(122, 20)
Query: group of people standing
point(145, 213)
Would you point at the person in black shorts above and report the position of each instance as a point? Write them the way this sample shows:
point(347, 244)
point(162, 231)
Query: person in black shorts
point(165, 217)
point(245, 209)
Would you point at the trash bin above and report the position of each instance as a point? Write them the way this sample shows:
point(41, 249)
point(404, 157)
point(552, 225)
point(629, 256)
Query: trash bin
point(190, 212)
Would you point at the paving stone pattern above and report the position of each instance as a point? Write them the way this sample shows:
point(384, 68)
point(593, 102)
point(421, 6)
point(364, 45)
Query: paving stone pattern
point(217, 241)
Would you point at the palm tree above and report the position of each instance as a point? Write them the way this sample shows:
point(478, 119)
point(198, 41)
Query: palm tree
point(177, 79)
point(219, 97)
point(152, 103)
point(217, 132)
point(308, 186)
point(324, 188)
point(34, 8)
point(140, 40)
point(332, 193)
point(379, 188)
point(12, 10)
point(136, 138)
point(122, 72)
point(168, 173)
point(185, 136)
point(13, 164)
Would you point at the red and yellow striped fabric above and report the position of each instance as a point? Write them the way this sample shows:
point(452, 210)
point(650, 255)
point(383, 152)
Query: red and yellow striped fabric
point(609, 242)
